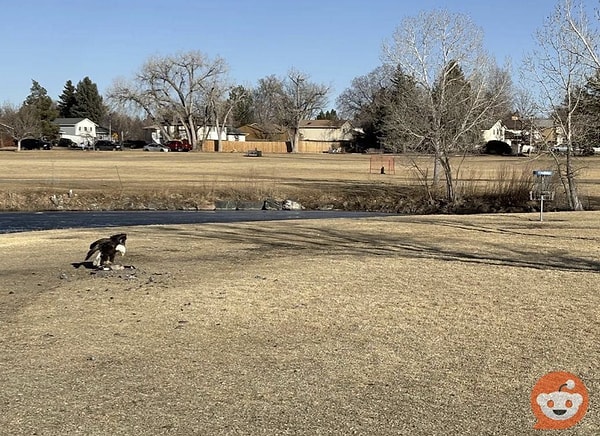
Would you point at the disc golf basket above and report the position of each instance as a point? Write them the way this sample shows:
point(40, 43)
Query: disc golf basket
point(542, 189)
point(382, 164)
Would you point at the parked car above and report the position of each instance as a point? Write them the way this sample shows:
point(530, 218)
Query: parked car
point(81, 146)
point(66, 142)
point(156, 147)
point(588, 150)
point(497, 147)
point(525, 149)
point(179, 145)
point(133, 143)
point(35, 144)
point(107, 145)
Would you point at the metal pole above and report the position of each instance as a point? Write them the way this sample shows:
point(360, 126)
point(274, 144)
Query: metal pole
point(541, 207)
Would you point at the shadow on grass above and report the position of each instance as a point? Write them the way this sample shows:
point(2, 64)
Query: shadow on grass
point(85, 264)
point(272, 241)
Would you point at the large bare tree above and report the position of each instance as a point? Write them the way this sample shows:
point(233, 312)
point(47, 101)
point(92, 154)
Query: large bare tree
point(176, 88)
point(364, 104)
point(301, 100)
point(359, 100)
point(288, 101)
point(578, 23)
point(20, 123)
point(558, 68)
point(222, 101)
point(459, 85)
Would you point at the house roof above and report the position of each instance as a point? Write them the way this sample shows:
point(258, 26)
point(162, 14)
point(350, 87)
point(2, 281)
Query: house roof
point(261, 132)
point(70, 121)
point(513, 122)
point(263, 128)
point(233, 131)
point(543, 122)
point(321, 124)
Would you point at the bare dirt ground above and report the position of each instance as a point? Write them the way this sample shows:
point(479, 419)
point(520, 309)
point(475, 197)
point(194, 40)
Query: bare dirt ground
point(422, 325)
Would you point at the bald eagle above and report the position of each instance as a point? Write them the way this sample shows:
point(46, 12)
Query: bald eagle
point(103, 251)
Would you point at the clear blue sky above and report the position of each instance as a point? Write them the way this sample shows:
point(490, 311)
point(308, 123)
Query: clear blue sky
point(333, 41)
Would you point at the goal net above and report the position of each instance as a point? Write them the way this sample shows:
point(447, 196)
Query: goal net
point(382, 164)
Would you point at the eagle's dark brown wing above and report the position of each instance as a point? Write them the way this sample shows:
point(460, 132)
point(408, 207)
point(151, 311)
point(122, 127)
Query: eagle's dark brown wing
point(96, 246)
point(106, 248)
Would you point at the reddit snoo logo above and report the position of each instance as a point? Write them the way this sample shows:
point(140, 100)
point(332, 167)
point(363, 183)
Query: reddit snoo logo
point(559, 400)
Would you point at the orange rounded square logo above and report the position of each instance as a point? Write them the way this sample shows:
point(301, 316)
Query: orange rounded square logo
point(559, 400)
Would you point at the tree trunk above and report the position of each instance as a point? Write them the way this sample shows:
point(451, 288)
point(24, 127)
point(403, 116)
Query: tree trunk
point(572, 194)
point(450, 191)
point(295, 140)
point(436, 166)
point(192, 132)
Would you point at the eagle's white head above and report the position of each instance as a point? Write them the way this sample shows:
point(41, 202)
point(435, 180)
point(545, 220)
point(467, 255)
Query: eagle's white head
point(121, 249)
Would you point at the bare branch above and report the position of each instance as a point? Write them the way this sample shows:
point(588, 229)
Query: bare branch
point(178, 88)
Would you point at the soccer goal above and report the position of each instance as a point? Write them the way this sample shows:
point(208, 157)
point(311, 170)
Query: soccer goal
point(382, 164)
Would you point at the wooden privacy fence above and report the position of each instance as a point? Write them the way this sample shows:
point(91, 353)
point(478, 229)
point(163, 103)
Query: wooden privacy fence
point(268, 146)
point(245, 146)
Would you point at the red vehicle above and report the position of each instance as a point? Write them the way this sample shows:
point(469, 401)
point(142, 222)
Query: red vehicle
point(179, 145)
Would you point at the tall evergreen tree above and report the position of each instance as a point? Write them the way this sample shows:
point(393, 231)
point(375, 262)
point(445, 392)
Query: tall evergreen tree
point(403, 124)
point(88, 102)
point(243, 106)
point(452, 97)
point(329, 115)
point(67, 100)
point(43, 109)
point(586, 117)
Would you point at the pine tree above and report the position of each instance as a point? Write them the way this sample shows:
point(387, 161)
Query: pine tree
point(88, 102)
point(67, 100)
point(452, 95)
point(401, 122)
point(586, 117)
point(43, 109)
point(329, 115)
point(243, 109)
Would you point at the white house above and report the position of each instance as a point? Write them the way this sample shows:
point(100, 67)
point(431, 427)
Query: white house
point(513, 131)
point(205, 132)
point(78, 130)
point(236, 135)
point(494, 133)
point(523, 135)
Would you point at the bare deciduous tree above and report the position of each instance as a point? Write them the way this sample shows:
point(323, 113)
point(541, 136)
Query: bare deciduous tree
point(302, 100)
point(20, 123)
point(266, 100)
point(222, 101)
point(364, 104)
point(461, 86)
point(357, 101)
point(289, 100)
point(177, 88)
point(577, 22)
point(558, 68)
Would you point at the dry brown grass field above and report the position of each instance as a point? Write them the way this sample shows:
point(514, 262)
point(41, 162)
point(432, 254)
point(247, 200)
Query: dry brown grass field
point(137, 180)
point(402, 325)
